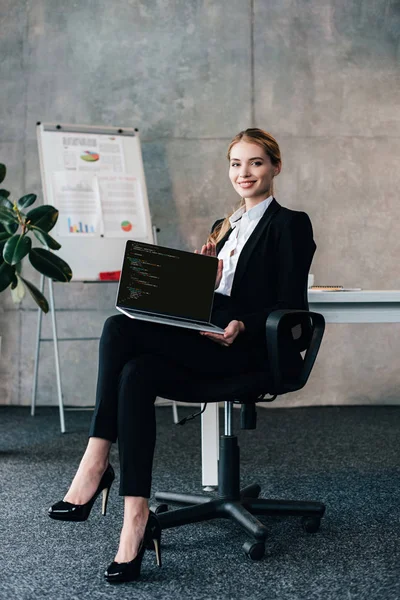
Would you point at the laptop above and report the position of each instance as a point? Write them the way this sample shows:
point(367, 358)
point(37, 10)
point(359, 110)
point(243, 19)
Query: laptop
point(167, 286)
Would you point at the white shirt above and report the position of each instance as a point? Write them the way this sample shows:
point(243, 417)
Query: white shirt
point(243, 224)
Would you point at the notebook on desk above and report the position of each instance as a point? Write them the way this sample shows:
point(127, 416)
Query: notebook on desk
point(167, 286)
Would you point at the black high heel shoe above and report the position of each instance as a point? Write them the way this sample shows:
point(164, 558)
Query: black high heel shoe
point(129, 571)
point(66, 511)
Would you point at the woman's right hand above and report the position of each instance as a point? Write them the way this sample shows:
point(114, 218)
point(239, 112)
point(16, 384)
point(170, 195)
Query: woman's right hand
point(211, 250)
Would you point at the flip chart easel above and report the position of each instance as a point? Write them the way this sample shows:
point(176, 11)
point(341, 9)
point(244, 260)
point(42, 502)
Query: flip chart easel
point(94, 176)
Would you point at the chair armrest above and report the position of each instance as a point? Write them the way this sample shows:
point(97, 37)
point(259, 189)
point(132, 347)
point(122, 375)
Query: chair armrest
point(280, 337)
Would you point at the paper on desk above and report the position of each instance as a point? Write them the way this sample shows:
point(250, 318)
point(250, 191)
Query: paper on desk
point(334, 289)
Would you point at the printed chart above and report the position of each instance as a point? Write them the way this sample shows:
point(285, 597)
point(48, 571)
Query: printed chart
point(93, 194)
point(97, 204)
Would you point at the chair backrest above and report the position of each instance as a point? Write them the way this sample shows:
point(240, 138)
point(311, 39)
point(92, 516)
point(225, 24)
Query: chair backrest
point(288, 333)
point(302, 333)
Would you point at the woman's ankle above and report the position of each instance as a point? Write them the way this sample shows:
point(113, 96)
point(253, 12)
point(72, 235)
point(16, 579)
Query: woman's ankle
point(135, 507)
point(97, 453)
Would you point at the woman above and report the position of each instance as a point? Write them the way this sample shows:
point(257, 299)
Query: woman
point(265, 252)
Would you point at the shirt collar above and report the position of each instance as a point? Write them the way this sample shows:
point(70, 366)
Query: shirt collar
point(254, 213)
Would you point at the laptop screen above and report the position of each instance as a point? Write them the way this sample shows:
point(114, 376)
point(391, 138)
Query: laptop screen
point(166, 281)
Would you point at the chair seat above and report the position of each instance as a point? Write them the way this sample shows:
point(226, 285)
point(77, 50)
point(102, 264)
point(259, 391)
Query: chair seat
point(243, 387)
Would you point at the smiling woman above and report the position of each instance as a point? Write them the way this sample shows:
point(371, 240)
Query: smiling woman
point(252, 171)
point(254, 160)
point(264, 252)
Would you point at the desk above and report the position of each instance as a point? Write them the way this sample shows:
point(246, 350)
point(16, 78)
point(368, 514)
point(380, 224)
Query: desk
point(365, 306)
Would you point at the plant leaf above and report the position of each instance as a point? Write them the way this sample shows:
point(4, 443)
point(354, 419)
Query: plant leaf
point(26, 201)
point(14, 282)
point(45, 239)
point(37, 296)
point(12, 228)
point(44, 217)
point(3, 172)
point(4, 201)
point(4, 235)
point(16, 248)
point(18, 291)
point(7, 215)
point(7, 275)
point(50, 265)
point(4, 193)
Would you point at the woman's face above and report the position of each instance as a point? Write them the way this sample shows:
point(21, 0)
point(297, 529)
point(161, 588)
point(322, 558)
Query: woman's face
point(251, 172)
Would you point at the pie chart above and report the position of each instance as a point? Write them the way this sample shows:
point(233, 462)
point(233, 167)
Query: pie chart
point(126, 225)
point(89, 156)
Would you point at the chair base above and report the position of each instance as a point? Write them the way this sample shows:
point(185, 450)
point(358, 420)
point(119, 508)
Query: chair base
point(240, 506)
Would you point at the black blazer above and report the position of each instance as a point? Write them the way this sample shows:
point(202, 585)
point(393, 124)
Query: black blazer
point(271, 272)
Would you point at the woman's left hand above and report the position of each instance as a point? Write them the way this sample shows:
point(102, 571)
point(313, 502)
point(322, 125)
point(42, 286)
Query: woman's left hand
point(228, 337)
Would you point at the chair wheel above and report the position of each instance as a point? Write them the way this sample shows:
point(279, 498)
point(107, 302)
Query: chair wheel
point(161, 508)
point(311, 524)
point(254, 550)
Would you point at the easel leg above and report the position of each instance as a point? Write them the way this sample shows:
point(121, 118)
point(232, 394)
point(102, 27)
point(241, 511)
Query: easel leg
point(36, 366)
point(174, 405)
point(175, 412)
point(56, 356)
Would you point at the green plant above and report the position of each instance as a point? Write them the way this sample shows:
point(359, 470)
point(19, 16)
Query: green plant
point(16, 244)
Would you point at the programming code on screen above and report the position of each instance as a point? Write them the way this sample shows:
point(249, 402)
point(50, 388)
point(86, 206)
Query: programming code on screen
point(167, 281)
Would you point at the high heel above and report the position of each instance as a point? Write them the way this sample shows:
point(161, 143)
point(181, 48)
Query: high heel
point(130, 571)
point(152, 536)
point(66, 511)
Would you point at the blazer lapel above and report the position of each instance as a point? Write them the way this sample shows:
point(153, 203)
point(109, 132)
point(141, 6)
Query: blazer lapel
point(252, 241)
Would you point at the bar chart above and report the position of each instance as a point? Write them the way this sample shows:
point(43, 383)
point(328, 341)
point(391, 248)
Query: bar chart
point(80, 227)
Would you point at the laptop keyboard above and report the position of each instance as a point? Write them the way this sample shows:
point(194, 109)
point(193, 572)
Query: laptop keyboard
point(199, 325)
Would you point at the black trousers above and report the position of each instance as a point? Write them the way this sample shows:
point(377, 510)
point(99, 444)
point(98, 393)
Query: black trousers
point(134, 357)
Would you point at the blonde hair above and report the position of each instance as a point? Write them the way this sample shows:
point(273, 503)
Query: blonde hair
point(269, 144)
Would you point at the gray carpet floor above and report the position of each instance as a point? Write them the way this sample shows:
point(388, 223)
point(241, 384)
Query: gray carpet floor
point(347, 457)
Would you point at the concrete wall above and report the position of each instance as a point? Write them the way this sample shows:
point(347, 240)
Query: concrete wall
point(321, 75)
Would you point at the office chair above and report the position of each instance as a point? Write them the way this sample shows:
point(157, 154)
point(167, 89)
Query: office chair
point(288, 333)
